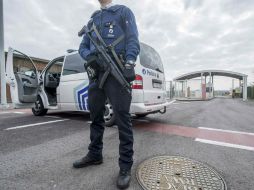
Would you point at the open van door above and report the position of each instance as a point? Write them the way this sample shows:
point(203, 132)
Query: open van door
point(22, 76)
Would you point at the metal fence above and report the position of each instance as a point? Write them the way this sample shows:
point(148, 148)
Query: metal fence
point(169, 89)
point(250, 93)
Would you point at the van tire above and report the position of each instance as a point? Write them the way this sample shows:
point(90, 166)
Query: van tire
point(109, 116)
point(141, 115)
point(39, 110)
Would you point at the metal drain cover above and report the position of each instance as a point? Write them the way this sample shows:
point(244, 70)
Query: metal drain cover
point(177, 173)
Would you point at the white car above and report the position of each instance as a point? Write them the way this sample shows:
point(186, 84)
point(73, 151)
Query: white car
point(63, 85)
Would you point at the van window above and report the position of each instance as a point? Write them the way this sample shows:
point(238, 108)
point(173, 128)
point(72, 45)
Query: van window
point(149, 58)
point(56, 66)
point(73, 64)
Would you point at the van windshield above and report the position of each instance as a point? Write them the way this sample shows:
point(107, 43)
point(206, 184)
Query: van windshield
point(149, 58)
point(74, 64)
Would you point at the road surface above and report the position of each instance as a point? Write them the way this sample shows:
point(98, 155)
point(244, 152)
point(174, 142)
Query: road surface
point(37, 152)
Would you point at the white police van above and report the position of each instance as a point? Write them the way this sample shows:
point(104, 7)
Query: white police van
point(63, 85)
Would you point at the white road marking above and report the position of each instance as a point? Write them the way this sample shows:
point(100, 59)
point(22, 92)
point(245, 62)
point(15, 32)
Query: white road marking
point(177, 103)
point(225, 144)
point(35, 124)
point(172, 102)
point(227, 131)
point(1, 113)
point(89, 122)
point(52, 117)
point(17, 112)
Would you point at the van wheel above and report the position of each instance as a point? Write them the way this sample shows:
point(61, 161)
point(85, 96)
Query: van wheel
point(38, 109)
point(141, 115)
point(109, 115)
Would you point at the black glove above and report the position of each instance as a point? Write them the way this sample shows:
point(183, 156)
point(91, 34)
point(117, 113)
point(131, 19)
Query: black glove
point(129, 71)
point(92, 75)
point(91, 67)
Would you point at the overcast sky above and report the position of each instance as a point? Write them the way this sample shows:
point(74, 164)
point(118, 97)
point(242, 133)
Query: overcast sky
point(189, 34)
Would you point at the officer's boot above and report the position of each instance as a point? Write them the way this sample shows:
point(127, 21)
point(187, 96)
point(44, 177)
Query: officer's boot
point(86, 161)
point(124, 178)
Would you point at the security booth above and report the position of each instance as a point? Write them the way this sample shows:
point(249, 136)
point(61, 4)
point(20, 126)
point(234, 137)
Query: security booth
point(199, 85)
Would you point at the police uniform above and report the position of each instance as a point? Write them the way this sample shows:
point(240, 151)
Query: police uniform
point(112, 22)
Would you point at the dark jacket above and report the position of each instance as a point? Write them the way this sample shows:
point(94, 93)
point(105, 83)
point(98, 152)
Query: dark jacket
point(112, 23)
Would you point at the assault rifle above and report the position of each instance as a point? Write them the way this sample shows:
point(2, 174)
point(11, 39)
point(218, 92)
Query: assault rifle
point(108, 63)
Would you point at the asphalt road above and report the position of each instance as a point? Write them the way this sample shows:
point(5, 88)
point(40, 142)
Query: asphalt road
point(37, 152)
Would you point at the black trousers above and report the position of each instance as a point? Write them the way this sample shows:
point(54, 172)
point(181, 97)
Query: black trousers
point(120, 101)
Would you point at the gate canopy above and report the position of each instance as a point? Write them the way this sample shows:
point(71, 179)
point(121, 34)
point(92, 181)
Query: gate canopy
point(211, 73)
point(196, 74)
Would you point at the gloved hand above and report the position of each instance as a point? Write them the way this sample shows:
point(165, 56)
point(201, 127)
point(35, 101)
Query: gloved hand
point(91, 67)
point(129, 71)
point(91, 73)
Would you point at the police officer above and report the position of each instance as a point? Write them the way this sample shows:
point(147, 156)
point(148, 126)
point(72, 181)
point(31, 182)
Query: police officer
point(112, 21)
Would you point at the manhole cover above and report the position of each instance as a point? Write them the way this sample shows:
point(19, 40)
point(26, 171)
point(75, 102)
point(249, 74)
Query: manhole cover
point(177, 173)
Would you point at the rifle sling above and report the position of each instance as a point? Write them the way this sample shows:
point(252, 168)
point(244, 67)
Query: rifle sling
point(98, 35)
point(104, 78)
point(111, 47)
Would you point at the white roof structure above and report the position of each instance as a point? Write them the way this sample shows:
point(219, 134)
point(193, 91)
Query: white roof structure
point(196, 74)
point(211, 73)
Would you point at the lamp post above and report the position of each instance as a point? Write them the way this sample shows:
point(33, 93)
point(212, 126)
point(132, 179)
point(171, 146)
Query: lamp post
point(2, 57)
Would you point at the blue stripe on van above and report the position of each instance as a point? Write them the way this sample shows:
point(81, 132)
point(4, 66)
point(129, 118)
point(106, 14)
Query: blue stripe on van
point(84, 101)
point(81, 96)
point(81, 100)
